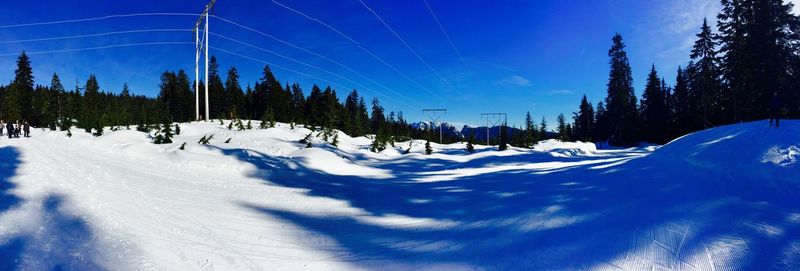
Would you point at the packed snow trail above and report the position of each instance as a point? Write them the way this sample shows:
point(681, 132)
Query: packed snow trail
point(720, 199)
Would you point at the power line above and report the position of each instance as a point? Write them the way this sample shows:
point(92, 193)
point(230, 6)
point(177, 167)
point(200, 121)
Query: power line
point(305, 64)
point(97, 35)
point(413, 52)
point(309, 52)
point(100, 18)
point(102, 47)
point(436, 18)
point(368, 52)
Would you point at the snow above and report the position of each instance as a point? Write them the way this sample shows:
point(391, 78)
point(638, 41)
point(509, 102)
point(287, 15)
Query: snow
point(719, 199)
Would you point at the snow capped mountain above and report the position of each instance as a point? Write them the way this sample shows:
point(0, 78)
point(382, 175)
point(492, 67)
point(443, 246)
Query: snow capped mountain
point(447, 128)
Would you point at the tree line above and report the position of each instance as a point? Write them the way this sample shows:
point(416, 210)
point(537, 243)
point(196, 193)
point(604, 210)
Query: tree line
point(88, 107)
point(731, 77)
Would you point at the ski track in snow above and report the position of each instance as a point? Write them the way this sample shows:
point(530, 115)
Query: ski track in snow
point(721, 199)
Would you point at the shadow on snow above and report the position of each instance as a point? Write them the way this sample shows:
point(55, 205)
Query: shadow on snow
point(60, 241)
point(632, 212)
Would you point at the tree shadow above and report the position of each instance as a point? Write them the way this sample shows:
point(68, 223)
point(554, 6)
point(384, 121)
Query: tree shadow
point(60, 241)
point(9, 162)
point(622, 211)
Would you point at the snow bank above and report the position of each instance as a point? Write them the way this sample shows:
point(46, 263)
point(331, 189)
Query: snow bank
point(559, 148)
point(752, 153)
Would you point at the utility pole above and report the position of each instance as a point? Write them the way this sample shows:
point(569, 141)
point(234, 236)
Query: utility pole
point(201, 46)
point(492, 116)
point(434, 115)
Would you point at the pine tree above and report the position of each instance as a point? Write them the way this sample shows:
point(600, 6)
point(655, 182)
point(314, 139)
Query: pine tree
point(621, 102)
point(654, 115)
point(707, 86)
point(428, 149)
point(167, 132)
point(503, 137)
point(758, 43)
point(563, 133)
point(91, 102)
point(216, 90)
point(601, 123)
point(234, 95)
point(470, 147)
point(543, 129)
point(682, 110)
point(531, 134)
point(19, 91)
point(584, 122)
point(335, 141)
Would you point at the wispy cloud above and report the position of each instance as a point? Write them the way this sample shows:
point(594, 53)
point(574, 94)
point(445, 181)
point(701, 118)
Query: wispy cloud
point(515, 80)
point(554, 92)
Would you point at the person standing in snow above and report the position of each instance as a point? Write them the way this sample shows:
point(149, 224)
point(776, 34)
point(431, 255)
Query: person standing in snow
point(10, 128)
point(1, 127)
point(17, 129)
point(775, 110)
point(26, 128)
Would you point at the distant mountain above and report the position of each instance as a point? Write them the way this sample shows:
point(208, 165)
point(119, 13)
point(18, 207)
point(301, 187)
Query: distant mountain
point(447, 128)
point(480, 132)
point(465, 131)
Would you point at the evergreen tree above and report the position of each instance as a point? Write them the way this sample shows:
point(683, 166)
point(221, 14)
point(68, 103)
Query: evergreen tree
point(470, 147)
point(378, 119)
point(621, 103)
point(428, 149)
point(543, 129)
point(758, 41)
point(531, 134)
point(584, 122)
point(20, 88)
point(654, 113)
point(234, 95)
point(682, 109)
point(707, 86)
point(216, 91)
point(91, 105)
point(601, 124)
point(57, 114)
point(563, 133)
point(503, 137)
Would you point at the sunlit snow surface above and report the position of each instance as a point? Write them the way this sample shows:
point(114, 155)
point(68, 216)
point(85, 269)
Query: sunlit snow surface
point(721, 199)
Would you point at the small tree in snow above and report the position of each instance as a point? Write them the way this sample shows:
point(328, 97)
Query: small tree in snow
point(428, 149)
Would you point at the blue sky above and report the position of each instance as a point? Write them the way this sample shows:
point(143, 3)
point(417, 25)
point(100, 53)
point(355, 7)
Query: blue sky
point(516, 56)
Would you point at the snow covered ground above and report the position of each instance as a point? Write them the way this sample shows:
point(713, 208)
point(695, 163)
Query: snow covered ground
point(721, 199)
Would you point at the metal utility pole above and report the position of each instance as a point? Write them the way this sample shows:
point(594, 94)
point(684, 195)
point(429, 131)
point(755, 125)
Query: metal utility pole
point(201, 46)
point(434, 115)
point(492, 116)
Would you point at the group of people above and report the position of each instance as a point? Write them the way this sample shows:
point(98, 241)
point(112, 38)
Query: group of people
point(14, 129)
